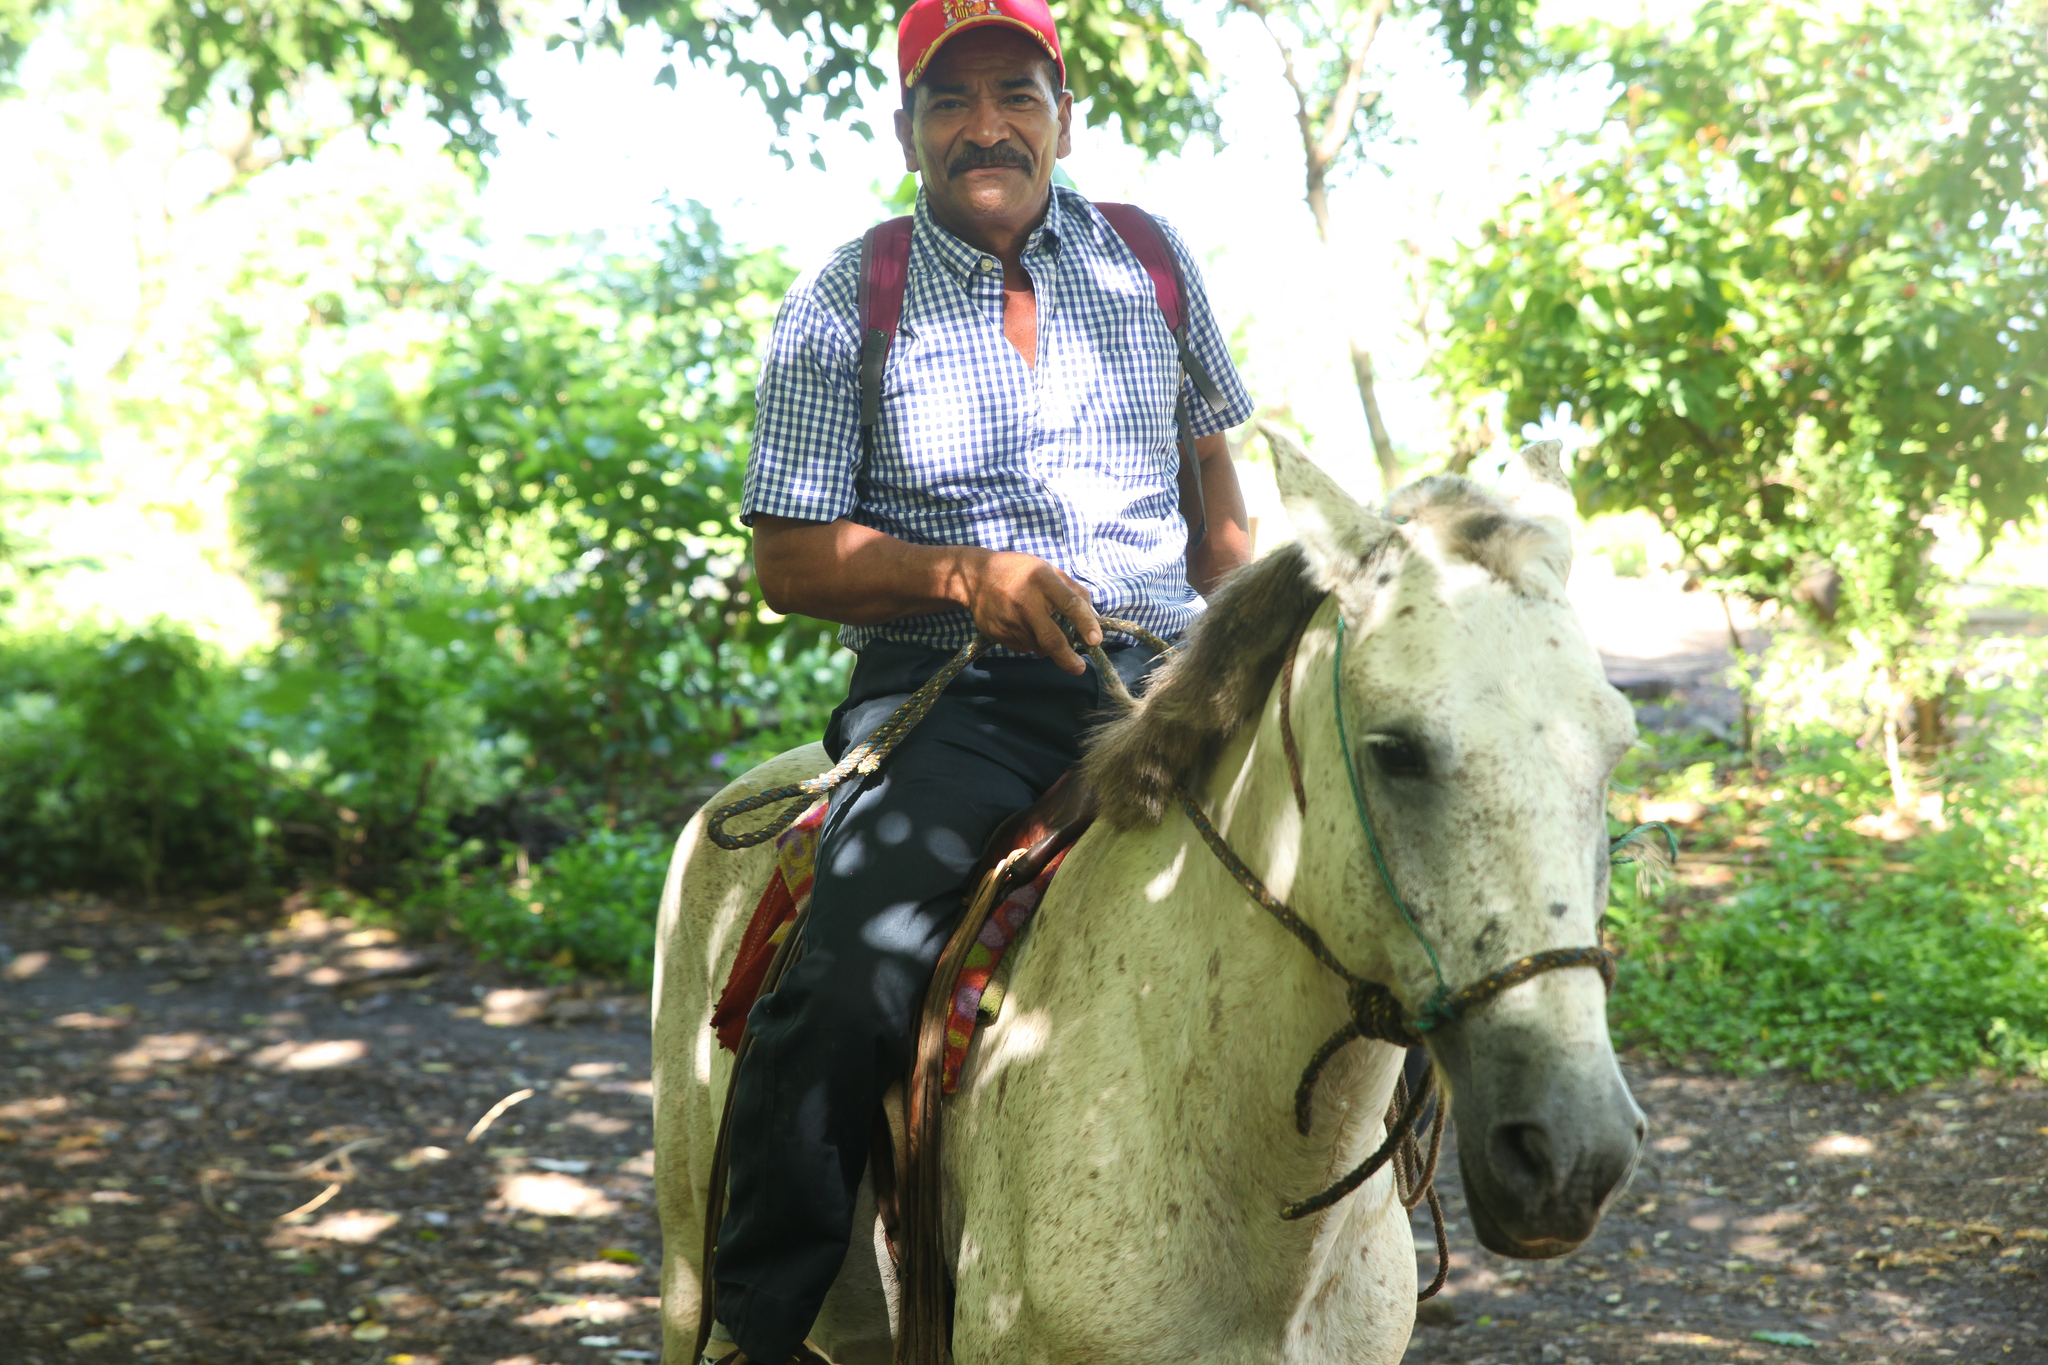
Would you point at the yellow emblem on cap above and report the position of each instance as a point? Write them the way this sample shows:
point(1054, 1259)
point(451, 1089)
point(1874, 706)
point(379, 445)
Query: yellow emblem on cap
point(958, 11)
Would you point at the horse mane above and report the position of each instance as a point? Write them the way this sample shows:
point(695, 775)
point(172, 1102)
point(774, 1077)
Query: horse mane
point(1220, 679)
point(1477, 525)
point(1200, 697)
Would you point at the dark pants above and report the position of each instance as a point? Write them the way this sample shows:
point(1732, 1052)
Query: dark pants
point(842, 1026)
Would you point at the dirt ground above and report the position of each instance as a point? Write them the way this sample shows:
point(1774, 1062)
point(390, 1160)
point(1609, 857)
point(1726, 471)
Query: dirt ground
point(172, 1083)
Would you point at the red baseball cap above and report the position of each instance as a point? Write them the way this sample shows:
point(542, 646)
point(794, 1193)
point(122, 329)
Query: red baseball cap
point(927, 24)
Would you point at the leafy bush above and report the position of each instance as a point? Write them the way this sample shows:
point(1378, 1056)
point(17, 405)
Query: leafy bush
point(537, 546)
point(590, 907)
point(122, 762)
point(1847, 956)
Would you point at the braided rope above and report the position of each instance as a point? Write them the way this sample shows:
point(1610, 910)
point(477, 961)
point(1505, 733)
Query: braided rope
point(1305, 1088)
point(862, 759)
point(1287, 744)
point(1522, 969)
point(866, 756)
point(1365, 1169)
point(1280, 910)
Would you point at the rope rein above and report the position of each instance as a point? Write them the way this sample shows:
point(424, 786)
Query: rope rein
point(868, 755)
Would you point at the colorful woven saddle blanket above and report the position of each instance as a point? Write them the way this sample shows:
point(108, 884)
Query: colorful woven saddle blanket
point(977, 994)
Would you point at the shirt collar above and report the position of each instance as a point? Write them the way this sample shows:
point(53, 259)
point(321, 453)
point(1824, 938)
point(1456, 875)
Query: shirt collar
point(962, 260)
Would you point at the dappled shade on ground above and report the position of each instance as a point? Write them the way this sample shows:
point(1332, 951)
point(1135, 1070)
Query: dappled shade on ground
point(175, 1086)
point(168, 1093)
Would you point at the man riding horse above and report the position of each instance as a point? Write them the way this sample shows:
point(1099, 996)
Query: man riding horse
point(1036, 456)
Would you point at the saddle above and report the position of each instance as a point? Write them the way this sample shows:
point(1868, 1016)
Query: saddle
point(1008, 880)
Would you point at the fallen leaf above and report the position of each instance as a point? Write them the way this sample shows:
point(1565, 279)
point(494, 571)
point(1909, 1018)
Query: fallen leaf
point(618, 1254)
point(1783, 1338)
point(371, 1331)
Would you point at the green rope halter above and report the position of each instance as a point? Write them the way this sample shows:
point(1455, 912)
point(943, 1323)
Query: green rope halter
point(1435, 1010)
point(1438, 1009)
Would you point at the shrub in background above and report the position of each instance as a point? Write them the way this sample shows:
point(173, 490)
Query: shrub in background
point(1846, 955)
point(544, 528)
point(590, 907)
point(123, 762)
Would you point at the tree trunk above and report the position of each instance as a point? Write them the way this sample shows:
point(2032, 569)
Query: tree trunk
point(1904, 797)
point(1318, 197)
point(1382, 444)
point(1929, 729)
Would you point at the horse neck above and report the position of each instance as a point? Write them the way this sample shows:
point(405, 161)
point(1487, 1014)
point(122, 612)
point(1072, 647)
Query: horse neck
point(1306, 861)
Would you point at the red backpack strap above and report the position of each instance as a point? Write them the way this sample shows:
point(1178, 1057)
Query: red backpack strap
point(884, 273)
point(1142, 234)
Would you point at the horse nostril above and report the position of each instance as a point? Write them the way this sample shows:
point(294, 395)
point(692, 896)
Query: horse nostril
point(1522, 1158)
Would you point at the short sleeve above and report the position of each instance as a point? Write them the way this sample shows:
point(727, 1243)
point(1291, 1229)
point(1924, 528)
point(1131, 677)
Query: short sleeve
point(806, 456)
point(1205, 338)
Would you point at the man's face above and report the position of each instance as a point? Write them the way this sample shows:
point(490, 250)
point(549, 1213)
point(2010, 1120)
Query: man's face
point(986, 124)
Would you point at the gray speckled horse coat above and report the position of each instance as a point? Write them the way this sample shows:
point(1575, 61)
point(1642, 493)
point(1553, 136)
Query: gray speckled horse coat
point(1123, 1137)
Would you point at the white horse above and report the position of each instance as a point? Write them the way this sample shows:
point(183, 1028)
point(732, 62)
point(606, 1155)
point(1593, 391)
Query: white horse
point(1123, 1137)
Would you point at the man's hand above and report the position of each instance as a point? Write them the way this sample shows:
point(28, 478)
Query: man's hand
point(1014, 597)
point(855, 575)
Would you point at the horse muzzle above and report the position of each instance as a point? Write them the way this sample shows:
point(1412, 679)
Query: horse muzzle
point(1548, 1134)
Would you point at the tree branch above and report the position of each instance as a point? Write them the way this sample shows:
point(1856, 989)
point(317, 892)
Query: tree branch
point(1303, 116)
point(1344, 105)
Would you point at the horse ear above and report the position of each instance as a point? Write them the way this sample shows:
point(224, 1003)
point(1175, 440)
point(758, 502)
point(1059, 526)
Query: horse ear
point(1337, 533)
point(1535, 486)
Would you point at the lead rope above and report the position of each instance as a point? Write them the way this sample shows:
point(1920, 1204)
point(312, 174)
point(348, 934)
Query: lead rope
point(866, 756)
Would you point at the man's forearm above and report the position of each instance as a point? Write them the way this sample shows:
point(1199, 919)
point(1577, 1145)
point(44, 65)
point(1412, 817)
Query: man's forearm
point(855, 575)
point(1228, 546)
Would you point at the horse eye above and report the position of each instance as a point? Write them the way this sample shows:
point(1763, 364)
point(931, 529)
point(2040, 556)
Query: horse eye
point(1398, 756)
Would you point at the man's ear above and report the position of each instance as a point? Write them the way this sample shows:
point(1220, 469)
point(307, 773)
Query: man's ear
point(906, 133)
point(1066, 108)
point(1338, 534)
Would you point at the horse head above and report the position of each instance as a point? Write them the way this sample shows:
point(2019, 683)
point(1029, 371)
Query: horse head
point(1456, 735)
point(1482, 732)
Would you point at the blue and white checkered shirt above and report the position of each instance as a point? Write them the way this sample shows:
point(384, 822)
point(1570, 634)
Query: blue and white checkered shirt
point(1073, 461)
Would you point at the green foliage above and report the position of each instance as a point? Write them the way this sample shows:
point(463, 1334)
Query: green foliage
point(526, 569)
point(1491, 39)
point(1840, 954)
point(19, 20)
point(259, 55)
point(1798, 290)
point(1129, 58)
point(588, 908)
point(123, 762)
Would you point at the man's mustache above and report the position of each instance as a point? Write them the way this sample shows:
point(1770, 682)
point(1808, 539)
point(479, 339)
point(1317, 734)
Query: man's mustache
point(976, 158)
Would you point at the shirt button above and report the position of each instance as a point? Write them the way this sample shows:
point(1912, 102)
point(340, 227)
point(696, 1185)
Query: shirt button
point(987, 265)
